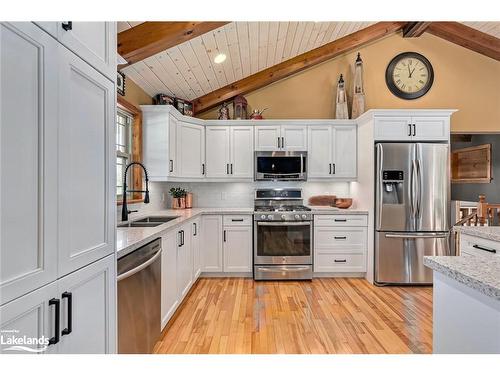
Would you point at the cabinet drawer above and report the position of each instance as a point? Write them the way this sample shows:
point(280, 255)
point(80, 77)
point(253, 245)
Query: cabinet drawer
point(478, 246)
point(237, 220)
point(340, 239)
point(339, 263)
point(341, 220)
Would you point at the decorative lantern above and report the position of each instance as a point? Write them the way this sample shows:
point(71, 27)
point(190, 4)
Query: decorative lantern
point(358, 97)
point(240, 105)
point(341, 111)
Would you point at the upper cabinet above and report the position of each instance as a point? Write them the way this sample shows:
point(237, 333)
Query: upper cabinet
point(229, 152)
point(190, 150)
point(412, 128)
point(281, 137)
point(332, 151)
point(94, 42)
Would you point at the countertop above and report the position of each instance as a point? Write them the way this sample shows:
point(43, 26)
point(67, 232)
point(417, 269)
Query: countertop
point(477, 272)
point(131, 238)
point(488, 233)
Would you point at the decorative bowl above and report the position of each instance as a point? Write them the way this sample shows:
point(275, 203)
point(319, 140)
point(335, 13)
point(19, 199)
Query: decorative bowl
point(343, 202)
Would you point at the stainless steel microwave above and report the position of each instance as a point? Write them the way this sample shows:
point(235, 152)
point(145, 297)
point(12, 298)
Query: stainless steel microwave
point(280, 165)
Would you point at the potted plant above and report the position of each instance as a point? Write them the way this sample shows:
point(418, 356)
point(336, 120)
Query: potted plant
point(178, 197)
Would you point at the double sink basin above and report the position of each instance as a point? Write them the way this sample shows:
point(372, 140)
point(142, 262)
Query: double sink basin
point(146, 222)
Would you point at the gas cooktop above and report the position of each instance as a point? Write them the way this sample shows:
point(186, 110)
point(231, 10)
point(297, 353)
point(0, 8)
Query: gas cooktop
point(287, 208)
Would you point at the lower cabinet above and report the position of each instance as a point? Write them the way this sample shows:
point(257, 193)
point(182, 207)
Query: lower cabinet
point(340, 243)
point(76, 313)
point(237, 249)
point(212, 243)
point(184, 260)
point(169, 294)
point(195, 244)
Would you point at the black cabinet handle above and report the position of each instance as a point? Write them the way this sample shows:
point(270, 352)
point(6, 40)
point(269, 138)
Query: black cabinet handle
point(68, 25)
point(182, 234)
point(340, 260)
point(180, 238)
point(203, 168)
point(224, 235)
point(231, 168)
point(278, 142)
point(233, 220)
point(330, 166)
point(171, 169)
point(227, 168)
point(282, 142)
point(333, 168)
point(485, 249)
point(340, 238)
point(342, 220)
point(409, 130)
point(195, 227)
point(69, 328)
point(57, 305)
point(414, 130)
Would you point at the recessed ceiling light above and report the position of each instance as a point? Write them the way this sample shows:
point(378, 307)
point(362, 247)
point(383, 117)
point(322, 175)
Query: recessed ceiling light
point(220, 58)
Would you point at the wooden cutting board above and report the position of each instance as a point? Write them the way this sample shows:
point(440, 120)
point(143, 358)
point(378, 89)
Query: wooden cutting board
point(322, 200)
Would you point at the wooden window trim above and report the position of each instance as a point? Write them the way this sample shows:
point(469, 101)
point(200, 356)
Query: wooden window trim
point(136, 147)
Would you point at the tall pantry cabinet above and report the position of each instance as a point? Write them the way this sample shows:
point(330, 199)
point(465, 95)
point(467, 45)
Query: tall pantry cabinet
point(57, 185)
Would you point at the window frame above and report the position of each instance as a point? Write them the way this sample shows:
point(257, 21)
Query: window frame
point(135, 149)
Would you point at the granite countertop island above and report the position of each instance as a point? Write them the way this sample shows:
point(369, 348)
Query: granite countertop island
point(488, 233)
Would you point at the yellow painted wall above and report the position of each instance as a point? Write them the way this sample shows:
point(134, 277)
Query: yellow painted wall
point(135, 95)
point(463, 79)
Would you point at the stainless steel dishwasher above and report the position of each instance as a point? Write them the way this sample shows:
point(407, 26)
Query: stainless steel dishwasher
point(139, 295)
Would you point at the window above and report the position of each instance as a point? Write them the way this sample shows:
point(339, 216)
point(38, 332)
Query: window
point(124, 122)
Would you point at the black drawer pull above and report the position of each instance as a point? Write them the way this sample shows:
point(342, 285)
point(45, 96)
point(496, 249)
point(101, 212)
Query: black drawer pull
point(69, 328)
point(171, 169)
point(224, 236)
point(340, 237)
point(485, 249)
point(236, 220)
point(342, 220)
point(340, 260)
point(57, 304)
point(195, 227)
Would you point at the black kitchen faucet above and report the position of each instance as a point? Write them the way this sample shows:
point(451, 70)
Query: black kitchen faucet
point(125, 210)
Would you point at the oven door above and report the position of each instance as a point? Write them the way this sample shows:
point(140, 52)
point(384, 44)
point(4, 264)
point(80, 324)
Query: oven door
point(281, 166)
point(283, 242)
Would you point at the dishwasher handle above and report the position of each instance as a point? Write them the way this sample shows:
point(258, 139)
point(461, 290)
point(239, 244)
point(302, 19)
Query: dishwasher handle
point(139, 268)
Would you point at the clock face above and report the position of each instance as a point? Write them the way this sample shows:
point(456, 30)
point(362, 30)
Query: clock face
point(409, 75)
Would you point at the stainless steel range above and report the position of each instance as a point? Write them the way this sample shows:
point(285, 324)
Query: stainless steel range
point(282, 235)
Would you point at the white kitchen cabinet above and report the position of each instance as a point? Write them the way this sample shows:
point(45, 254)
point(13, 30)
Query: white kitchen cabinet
point(196, 248)
point(332, 151)
point(86, 298)
point(92, 292)
point(482, 247)
point(30, 316)
point(94, 42)
point(212, 243)
point(412, 128)
point(28, 175)
point(280, 138)
point(191, 150)
point(218, 149)
point(184, 261)
point(238, 248)
point(169, 292)
point(172, 164)
point(229, 152)
point(86, 145)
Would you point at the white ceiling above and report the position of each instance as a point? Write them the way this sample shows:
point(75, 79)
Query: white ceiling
point(188, 70)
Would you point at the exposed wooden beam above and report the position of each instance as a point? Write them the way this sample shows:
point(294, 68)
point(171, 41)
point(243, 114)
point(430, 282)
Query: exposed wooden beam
point(149, 38)
point(415, 29)
point(467, 37)
point(296, 64)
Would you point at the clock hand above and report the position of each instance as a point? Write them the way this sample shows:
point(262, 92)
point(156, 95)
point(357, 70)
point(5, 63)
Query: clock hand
point(412, 72)
point(409, 73)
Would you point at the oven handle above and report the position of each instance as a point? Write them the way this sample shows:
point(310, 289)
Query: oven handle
point(281, 268)
point(282, 223)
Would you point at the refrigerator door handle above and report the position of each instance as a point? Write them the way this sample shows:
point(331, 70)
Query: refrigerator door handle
point(410, 235)
point(413, 182)
point(419, 189)
point(380, 156)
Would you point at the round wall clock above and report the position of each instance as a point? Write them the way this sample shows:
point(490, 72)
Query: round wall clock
point(409, 75)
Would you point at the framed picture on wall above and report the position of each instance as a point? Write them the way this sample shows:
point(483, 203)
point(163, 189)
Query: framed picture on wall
point(120, 83)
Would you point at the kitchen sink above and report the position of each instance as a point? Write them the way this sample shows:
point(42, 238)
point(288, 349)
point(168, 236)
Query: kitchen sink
point(138, 225)
point(156, 219)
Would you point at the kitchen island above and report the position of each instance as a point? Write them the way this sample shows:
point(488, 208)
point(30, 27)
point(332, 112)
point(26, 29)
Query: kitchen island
point(466, 301)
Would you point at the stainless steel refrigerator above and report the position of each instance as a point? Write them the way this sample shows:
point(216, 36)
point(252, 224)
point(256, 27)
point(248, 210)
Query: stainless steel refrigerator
point(412, 210)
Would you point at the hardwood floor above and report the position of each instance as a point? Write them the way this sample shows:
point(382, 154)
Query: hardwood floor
point(341, 315)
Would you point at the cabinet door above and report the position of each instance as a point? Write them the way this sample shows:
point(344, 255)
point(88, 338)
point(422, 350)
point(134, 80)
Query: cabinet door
point(238, 249)
point(431, 128)
point(345, 151)
point(294, 138)
point(28, 174)
point(93, 309)
point(218, 151)
point(95, 42)
point(211, 226)
point(320, 151)
point(267, 138)
point(392, 129)
point(30, 316)
point(86, 183)
point(196, 246)
point(173, 162)
point(191, 149)
point(184, 261)
point(241, 152)
point(169, 296)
